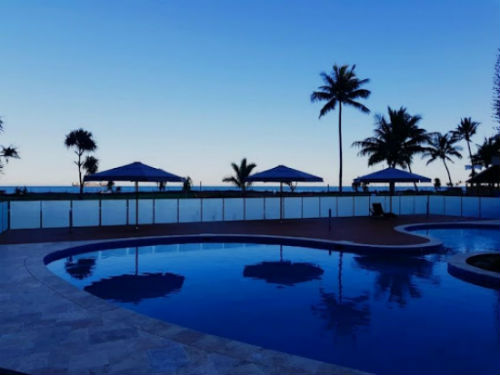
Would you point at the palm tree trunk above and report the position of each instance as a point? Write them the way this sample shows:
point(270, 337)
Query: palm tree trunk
point(471, 162)
point(340, 146)
point(448, 171)
point(414, 184)
point(80, 172)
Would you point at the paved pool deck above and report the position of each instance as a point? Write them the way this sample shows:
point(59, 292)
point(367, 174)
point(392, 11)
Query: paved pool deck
point(48, 326)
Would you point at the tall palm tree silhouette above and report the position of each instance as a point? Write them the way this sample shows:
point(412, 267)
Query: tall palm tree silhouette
point(442, 146)
point(464, 131)
point(81, 141)
point(341, 87)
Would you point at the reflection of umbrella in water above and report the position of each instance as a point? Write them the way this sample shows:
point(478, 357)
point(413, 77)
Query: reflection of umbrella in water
point(283, 272)
point(135, 288)
point(79, 269)
point(395, 275)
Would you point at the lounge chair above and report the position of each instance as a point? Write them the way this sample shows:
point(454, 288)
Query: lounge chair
point(378, 211)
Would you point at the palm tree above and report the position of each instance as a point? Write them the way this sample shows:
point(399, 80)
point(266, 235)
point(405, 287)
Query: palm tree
point(6, 153)
point(91, 165)
point(241, 173)
point(82, 141)
point(341, 87)
point(396, 139)
point(442, 146)
point(464, 131)
point(487, 151)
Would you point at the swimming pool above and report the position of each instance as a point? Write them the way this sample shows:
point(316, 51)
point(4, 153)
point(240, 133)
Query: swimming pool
point(378, 314)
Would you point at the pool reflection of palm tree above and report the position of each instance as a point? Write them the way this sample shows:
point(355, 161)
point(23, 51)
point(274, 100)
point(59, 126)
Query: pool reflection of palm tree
point(395, 276)
point(136, 287)
point(80, 268)
point(283, 272)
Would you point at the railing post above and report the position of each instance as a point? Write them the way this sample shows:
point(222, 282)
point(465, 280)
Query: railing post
point(444, 205)
point(41, 215)
point(479, 207)
point(337, 205)
point(369, 203)
point(100, 212)
point(244, 209)
point(353, 207)
point(264, 211)
point(301, 207)
point(427, 205)
point(329, 219)
point(177, 210)
point(319, 206)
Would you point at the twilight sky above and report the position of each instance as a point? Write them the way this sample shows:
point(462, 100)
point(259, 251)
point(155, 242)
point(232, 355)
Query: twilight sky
point(190, 86)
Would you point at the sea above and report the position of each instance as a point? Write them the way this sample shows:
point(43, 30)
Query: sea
point(153, 188)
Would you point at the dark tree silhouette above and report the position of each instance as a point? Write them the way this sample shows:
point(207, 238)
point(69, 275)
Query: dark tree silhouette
point(496, 91)
point(487, 151)
point(442, 146)
point(395, 141)
point(6, 152)
point(464, 131)
point(81, 141)
point(341, 87)
point(241, 172)
point(90, 165)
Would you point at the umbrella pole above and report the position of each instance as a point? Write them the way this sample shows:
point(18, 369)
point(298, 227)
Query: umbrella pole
point(137, 205)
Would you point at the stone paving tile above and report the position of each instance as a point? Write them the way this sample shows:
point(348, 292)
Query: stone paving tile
point(48, 326)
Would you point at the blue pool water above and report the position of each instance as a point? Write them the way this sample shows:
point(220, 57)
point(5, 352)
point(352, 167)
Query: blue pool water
point(379, 314)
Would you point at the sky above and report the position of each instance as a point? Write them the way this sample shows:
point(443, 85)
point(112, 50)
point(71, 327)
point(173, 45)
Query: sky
point(191, 86)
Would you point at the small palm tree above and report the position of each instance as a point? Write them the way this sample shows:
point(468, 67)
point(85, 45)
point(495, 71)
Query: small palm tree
point(6, 153)
point(90, 165)
point(186, 186)
point(464, 131)
point(487, 151)
point(241, 172)
point(442, 146)
point(81, 141)
point(341, 87)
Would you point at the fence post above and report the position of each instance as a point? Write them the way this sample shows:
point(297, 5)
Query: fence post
point(369, 204)
point(201, 207)
point(8, 214)
point(427, 206)
point(337, 205)
point(329, 219)
point(70, 215)
point(100, 212)
point(127, 213)
point(154, 211)
point(244, 209)
point(444, 205)
point(177, 210)
point(264, 212)
point(353, 206)
point(319, 206)
point(461, 206)
point(41, 215)
point(223, 209)
point(301, 207)
point(479, 207)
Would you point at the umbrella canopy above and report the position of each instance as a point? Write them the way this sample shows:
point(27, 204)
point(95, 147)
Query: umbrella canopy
point(488, 176)
point(283, 173)
point(392, 175)
point(134, 172)
point(135, 288)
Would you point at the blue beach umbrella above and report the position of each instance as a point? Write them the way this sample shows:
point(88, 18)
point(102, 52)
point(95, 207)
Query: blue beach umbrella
point(391, 176)
point(283, 174)
point(135, 172)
